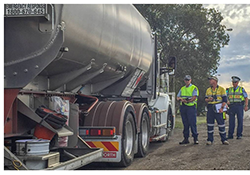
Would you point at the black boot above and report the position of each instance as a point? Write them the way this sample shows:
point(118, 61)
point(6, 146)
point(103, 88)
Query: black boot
point(185, 141)
point(196, 141)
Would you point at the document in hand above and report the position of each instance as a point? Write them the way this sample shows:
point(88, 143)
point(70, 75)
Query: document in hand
point(218, 106)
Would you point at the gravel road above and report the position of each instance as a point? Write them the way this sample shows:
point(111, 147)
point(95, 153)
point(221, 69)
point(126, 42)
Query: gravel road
point(172, 156)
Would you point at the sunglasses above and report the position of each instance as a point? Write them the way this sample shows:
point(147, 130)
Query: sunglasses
point(235, 82)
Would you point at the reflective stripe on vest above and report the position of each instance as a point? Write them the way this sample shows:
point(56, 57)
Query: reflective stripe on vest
point(235, 96)
point(187, 93)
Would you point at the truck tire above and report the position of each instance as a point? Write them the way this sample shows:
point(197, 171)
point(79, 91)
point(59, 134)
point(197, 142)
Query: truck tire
point(170, 119)
point(128, 139)
point(121, 115)
point(169, 124)
point(143, 136)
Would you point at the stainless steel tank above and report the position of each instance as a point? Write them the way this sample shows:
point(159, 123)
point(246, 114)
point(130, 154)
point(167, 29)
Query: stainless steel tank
point(105, 46)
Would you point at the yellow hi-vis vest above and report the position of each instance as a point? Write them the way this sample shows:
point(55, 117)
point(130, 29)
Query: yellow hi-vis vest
point(235, 96)
point(219, 93)
point(187, 92)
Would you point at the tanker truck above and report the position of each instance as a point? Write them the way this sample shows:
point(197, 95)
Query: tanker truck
point(82, 83)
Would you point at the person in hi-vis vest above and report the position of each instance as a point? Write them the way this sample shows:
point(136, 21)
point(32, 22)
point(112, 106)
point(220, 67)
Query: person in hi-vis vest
point(188, 103)
point(216, 98)
point(237, 101)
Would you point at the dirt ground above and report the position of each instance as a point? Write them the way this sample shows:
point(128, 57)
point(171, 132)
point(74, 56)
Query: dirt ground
point(172, 156)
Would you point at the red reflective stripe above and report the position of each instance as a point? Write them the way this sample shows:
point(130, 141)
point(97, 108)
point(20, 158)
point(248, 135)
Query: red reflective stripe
point(138, 80)
point(91, 144)
point(109, 146)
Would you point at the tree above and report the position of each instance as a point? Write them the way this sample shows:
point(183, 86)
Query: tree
point(191, 33)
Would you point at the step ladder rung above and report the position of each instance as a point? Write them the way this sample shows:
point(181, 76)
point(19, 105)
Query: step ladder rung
point(158, 137)
point(159, 126)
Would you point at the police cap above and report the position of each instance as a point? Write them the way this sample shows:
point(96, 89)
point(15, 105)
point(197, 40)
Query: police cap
point(235, 79)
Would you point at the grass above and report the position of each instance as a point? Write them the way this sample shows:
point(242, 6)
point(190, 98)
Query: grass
point(178, 121)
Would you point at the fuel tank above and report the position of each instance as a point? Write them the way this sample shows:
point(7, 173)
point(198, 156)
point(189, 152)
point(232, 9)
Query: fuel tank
point(106, 47)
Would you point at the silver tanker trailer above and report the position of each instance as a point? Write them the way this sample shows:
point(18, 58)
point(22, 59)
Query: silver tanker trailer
point(82, 84)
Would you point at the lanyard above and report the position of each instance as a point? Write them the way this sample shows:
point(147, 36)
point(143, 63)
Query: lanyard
point(215, 91)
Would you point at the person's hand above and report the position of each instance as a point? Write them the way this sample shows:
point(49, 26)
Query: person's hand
point(246, 108)
point(228, 102)
point(184, 101)
point(220, 110)
point(179, 99)
point(210, 98)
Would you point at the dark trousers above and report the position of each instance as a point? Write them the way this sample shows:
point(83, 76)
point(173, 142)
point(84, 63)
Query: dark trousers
point(211, 116)
point(235, 109)
point(188, 115)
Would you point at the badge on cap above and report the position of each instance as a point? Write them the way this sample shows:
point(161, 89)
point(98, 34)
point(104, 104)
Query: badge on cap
point(235, 79)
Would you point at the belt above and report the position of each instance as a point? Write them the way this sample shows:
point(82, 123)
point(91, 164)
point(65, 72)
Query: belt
point(187, 105)
point(236, 104)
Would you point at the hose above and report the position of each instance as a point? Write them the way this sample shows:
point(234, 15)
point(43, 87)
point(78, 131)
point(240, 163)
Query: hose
point(15, 165)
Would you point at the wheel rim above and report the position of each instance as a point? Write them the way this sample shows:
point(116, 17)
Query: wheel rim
point(129, 137)
point(144, 132)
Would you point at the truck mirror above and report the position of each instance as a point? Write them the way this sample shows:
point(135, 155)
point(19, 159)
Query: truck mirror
point(170, 69)
point(172, 63)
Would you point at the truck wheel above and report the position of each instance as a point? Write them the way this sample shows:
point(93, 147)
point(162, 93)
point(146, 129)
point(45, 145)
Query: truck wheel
point(128, 139)
point(169, 124)
point(143, 137)
point(170, 120)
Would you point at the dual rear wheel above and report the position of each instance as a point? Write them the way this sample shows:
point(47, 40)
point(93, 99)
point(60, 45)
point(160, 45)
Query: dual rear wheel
point(129, 137)
point(122, 115)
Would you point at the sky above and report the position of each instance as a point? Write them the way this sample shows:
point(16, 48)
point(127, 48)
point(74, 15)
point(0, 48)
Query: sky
point(235, 57)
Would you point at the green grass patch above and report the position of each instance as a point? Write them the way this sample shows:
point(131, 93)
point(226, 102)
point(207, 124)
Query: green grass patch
point(178, 121)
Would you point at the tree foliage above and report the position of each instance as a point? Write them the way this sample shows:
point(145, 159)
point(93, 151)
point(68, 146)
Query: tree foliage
point(191, 33)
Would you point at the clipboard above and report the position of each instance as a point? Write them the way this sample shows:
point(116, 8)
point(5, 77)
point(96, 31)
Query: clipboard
point(218, 106)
